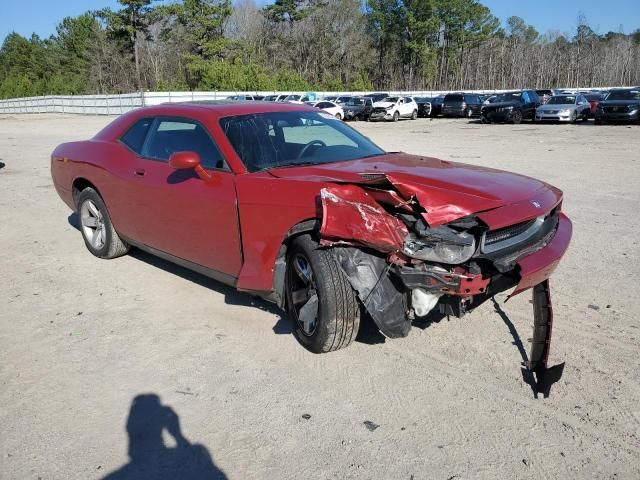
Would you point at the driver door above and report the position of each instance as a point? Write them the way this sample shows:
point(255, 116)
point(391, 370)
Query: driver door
point(179, 213)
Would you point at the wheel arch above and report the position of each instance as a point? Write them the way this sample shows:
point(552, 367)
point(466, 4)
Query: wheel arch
point(309, 225)
point(78, 185)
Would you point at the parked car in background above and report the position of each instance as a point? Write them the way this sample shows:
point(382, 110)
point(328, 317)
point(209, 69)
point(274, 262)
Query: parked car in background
point(436, 105)
point(329, 107)
point(287, 203)
point(621, 105)
point(358, 108)
point(489, 99)
point(424, 106)
point(512, 107)
point(564, 108)
point(270, 98)
point(330, 98)
point(594, 99)
point(301, 98)
point(394, 108)
point(545, 95)
point(342, 99)
point(245, 97)
point(461, 105)
point(376, 97)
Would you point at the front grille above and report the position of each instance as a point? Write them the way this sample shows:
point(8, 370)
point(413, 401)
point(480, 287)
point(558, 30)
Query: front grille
point(550, 112)
point(507, 232)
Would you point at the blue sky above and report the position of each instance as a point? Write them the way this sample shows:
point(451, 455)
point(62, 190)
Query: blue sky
point(42, 16)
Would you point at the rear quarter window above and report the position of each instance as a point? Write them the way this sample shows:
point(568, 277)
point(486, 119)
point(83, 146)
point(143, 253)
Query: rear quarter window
point(134, 138)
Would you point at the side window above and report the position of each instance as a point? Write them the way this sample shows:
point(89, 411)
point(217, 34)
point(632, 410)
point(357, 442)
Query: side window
point(134, 138)
point(527, 97)
point(407, 100)
point(168, 136)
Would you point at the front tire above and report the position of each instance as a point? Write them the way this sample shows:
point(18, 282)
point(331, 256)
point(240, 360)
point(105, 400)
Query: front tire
point(396, 116)
point(100, 237)
point(516, 117)
point(414, 115)
point(319, 298)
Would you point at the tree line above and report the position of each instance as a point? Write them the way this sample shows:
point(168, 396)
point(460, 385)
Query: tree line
point(309, 45)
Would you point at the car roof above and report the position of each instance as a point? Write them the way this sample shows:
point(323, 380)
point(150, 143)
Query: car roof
point(224, 107)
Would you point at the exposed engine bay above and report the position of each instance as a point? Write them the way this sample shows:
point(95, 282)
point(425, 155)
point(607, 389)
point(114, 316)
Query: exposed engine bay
point(406, 261)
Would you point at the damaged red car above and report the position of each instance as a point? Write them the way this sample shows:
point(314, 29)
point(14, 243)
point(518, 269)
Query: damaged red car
point(288, 203)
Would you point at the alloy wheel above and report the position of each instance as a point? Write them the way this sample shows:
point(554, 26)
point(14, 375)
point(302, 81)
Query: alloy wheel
point(303, 294)
point(93, 226)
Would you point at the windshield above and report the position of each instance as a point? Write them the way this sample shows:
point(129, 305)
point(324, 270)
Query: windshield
point(390, 99)
point(292, 98)
point(562, 100)
point(624, 95)
point(280, 139)
point(508, 97)
point(355, 102)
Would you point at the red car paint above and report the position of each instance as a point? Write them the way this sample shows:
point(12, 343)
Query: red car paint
point(235, 222)
point(350, 214)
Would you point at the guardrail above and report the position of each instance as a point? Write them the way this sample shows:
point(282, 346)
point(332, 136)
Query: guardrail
point(118, 104)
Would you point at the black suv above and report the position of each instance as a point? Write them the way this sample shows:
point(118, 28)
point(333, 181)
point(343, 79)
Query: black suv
point(461, 105)
point(358, 108)
point(620, 105)
point(512, 107)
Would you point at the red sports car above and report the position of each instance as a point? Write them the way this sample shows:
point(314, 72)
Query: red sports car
point(288, 203)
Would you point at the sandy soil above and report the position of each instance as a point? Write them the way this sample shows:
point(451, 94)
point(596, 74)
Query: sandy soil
point(80, 338)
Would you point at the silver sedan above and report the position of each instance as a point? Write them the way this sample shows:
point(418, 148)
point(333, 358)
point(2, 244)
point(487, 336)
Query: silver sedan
point(564, 108)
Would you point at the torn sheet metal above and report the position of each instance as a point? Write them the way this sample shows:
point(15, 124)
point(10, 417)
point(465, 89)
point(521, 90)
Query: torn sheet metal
point(383, 300)
point(351, 215)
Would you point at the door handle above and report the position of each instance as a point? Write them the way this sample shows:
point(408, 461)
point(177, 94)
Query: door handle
point(139, 172)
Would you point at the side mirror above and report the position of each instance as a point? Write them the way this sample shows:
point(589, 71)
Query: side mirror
point(187, 160)
point(184, 160)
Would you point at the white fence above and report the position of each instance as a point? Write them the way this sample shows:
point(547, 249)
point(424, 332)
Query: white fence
point(117, 104)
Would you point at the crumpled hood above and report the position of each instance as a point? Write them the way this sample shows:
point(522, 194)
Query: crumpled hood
point(383, 104)
point(446, 190)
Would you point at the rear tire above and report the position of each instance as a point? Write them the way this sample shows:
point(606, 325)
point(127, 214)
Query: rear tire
point(336, 307)
point(414, 115)
point(100, 237)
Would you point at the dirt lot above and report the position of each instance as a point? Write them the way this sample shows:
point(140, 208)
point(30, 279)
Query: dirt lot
point(80, 338)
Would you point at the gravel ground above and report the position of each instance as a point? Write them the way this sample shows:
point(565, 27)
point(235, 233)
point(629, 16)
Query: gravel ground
point(80, 338)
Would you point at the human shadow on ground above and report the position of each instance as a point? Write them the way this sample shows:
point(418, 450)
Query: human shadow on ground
point(2, 165)
point(150, 458)
point(541, 382)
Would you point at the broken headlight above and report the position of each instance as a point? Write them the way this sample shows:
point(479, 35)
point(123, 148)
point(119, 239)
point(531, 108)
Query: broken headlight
point(442, 244)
